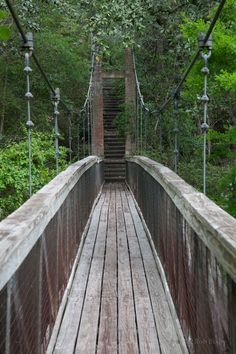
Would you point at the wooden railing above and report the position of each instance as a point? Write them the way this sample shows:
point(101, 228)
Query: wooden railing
point(195, 241)
point(38, 246)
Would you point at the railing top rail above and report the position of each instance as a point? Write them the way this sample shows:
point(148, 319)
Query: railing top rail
point(20, 231)
point(215, 227)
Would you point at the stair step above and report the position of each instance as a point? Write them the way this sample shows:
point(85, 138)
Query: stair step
point(118, 155)
point(114, 134)
point(113, 149)
point(114, 145)
point(109, 172)
point(114, 152)
point(113, 139)
point(114, 161)
point(114, 179)
point(114, 170)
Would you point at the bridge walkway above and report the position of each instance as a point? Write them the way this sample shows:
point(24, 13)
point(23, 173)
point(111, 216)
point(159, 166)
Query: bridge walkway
point(117, 302)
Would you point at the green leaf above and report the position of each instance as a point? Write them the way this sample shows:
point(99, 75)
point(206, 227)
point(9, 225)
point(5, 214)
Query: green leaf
point(4, 33)
point(3, 14)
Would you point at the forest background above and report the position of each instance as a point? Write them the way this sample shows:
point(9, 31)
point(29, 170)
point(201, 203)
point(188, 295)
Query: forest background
point(164, 37)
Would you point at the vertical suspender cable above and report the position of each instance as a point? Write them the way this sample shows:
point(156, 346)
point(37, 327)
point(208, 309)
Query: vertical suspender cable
point(29, 123)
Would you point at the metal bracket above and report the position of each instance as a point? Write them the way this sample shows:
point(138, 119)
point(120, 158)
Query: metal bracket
point(201, 44)
point(30, 42)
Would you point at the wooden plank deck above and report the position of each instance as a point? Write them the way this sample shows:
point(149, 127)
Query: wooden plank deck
point(117, 303)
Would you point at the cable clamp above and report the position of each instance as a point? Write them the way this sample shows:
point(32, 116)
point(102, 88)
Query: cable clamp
point(204, 127)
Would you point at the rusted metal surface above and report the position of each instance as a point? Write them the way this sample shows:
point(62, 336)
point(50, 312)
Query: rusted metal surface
point(30, 299)
point(202, 290)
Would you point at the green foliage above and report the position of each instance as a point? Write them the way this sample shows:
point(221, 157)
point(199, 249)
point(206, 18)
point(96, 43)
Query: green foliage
point(227, 185)
point(164, 35)
point(122, 120)
point(227, 80)
point(14, 188)
point(222, 62)
point(221, 182)
point(220, 145)
point(4, 30)
point(117, 19)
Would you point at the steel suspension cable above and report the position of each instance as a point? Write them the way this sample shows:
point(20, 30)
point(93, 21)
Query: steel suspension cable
point(25, 40)
point(140, 106)
point(87, 110)
point(29, 123)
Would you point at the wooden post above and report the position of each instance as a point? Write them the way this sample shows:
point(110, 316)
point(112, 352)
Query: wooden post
point(97, 107)
point(130, 99)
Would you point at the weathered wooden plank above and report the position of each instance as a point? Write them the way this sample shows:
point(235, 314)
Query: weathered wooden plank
point(168, 338)
point(127, 331)
point(107, 339)
point(70, 322)
point(87, 336)
point(147, 332)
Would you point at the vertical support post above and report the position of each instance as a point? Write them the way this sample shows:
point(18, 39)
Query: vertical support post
point(70, 135)
point(56, 100)
point(97, 126)
point(204, 125)
point(141, 129)
point(205, 99)
point(160, 138)
point(137, 124)
point(130, 98)
point(29, 96)
point(159, 122)
point(78, 134)
point(146, 116)
point(89, 126)
point(176, 131)
point(83, 118)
